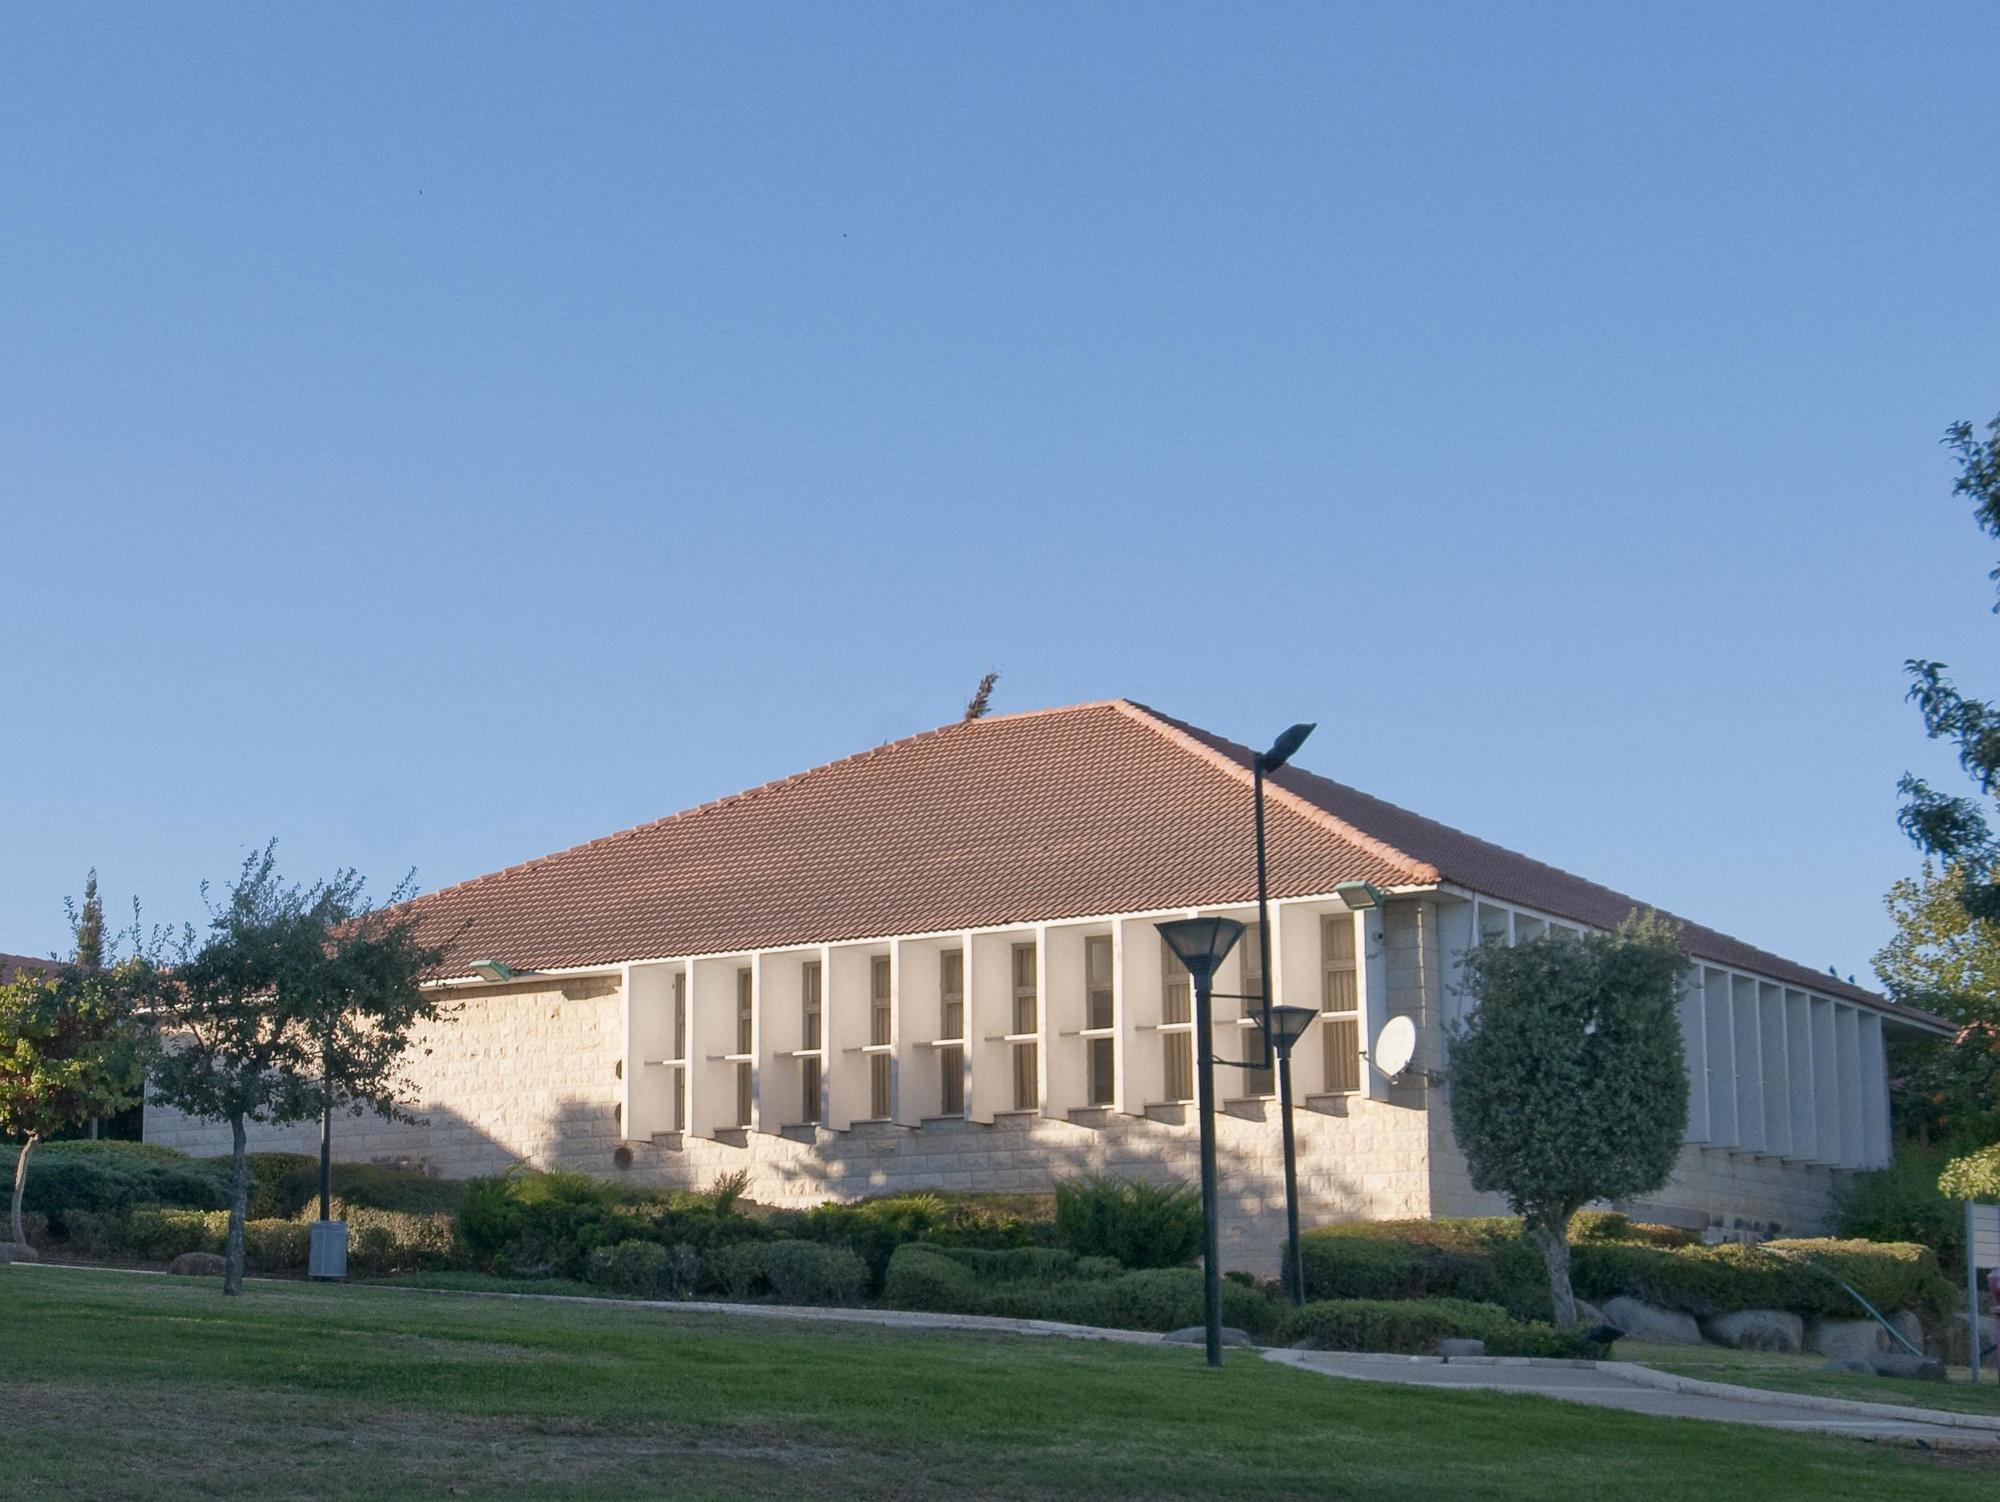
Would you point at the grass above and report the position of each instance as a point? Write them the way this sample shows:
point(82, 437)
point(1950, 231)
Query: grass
point(159, 1389)
point(1808, 1374)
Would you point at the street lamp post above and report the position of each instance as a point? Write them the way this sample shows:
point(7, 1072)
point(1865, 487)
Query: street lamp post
point(1283, 749)
point(1201, 944)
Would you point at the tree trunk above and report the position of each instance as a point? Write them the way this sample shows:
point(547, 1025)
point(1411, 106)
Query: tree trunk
point(239, 1203)
point(1552, 1240)
point(21, 1184)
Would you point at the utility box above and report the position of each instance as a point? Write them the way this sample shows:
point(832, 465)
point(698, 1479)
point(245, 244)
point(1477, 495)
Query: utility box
point(328, 1255)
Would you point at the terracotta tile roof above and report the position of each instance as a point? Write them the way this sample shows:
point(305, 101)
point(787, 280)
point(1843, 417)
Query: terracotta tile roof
point(1057, 813)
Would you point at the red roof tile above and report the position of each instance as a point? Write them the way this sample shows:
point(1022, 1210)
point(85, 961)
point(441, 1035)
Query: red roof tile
point(1057, 813)
point(12, 965)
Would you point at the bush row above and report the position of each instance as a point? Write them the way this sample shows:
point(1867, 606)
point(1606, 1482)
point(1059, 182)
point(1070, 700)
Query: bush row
point(784, 1271)
point(1083, 1291)
point(1415, 1326)
point(378, 1241)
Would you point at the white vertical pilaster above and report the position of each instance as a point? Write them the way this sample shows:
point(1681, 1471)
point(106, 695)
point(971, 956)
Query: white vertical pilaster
point(1749, 1064)
point(1694, 1046)
point(1371, 955)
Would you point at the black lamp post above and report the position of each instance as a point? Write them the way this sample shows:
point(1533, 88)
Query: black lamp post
point(1276, 1039)
point(1287, 1025)
point(1201, 944)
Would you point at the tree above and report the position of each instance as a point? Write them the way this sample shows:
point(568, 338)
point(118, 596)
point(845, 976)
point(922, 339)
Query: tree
point(87, 923)
point(68, 1051)
point(1955, 829)
point(1568, 1083)
point(1945, 960)
point(299, 1000)
point(982, 697)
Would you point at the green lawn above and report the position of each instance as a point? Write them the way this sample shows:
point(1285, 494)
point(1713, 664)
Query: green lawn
point(1808, 1374)
point(125, 1386)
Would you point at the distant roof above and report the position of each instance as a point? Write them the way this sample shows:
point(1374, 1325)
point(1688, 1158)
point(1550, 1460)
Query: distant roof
point(1057, 813)
point(12, 965)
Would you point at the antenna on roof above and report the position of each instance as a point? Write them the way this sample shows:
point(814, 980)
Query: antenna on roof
point(982, 697)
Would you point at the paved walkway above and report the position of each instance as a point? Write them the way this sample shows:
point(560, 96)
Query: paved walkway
point(1617, 1384)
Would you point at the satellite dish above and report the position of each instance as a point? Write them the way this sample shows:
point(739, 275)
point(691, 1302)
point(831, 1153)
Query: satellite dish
point(1395, 1045)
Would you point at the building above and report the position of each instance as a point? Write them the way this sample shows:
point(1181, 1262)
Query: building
point(934, 965)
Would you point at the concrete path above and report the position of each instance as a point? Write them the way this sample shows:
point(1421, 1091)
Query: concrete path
point(1616, 1384)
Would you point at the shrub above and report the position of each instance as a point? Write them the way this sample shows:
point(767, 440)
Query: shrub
point(35, 1227)
point(1133, 1222)
point(1479, 1261)
point(873, 1229)
point(1801, 1276)
point(791, 1272)
point(1030, 1264)
point(929, 1279)
point(275, 1246)
point(116, 1177)
point(395, 1241)
point(634, 1267)
point(281, 1184)
point(1415, 1326)
point(1903, 1203)
point(156, 1235)
point(94, 1233)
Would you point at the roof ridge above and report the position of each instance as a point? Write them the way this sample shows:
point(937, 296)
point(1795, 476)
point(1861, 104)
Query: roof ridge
point(758, 790)
point(1177, 734)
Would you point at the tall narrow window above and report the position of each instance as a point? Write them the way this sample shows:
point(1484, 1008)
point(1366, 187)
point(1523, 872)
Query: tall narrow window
point(677, 1051)
point(811, 1006)
point(951, 1024)
point(1261, 1080)
point(744, 1043)
point(1340, 1004)
point(878, 1038)
point(1176, 1025)
point(1100, 1052)
point(1027, 1023)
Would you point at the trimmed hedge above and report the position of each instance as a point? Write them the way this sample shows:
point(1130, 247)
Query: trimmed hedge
point(644, 1269)
point(1803, 1277)
point(873, 1228)
point(115, 1178)
point(1415, 1326)
point(789, 1272)
point(1475, 1261)
point(1162, 1299)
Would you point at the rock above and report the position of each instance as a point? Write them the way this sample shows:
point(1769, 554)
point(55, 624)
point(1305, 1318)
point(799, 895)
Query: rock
point(1457, 1345)
point(1909, 1327)
point(197, 1265)
point(1903, 1364)
point(1642, 1321)
point(1861, 1339)
point(18, 1251)
point(1758, 1330)
point(1952, 1344)
point(1853, 1365)
point(1193, 1335)
point(1588, 1314)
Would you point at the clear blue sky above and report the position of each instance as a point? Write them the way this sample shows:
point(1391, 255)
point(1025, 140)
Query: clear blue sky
point(437, 435)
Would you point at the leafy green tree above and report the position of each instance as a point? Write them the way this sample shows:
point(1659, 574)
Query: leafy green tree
point(69, 1050)
point(1953, 828)
point(1947, 961)
point(298, 1000)
point(1568, 1082)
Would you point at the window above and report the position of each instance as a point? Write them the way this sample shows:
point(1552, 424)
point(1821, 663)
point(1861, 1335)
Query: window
point(677, 1052)
point(1340, 1003)
point(951, 1024)
point(1176, 1025)
point(744, 1044)
point(1256, 1050)
point(1027, 1022)
point(1100, 1054)
point(878, 1037)
point(811, 1008)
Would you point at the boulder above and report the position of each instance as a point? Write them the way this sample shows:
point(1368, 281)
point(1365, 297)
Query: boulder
point(1758, 1330)
point(1859, 1339)
point(1588, 1314)
point(1461, 1345)
point(18, 1251)
point(197, 1265)
point(1903, 1364)
point(1949, 1342)
point(1193, 1335)
point(1642, 1321)
point(1909, 1327)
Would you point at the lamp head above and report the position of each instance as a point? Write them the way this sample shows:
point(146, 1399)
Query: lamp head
point(1285, 747)
point(1201, 944)
point(1360, 894)
point(1288, 1024)
point(494, 970)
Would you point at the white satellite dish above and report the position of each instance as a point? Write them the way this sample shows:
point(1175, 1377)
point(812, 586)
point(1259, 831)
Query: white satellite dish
point(1395, 1045)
